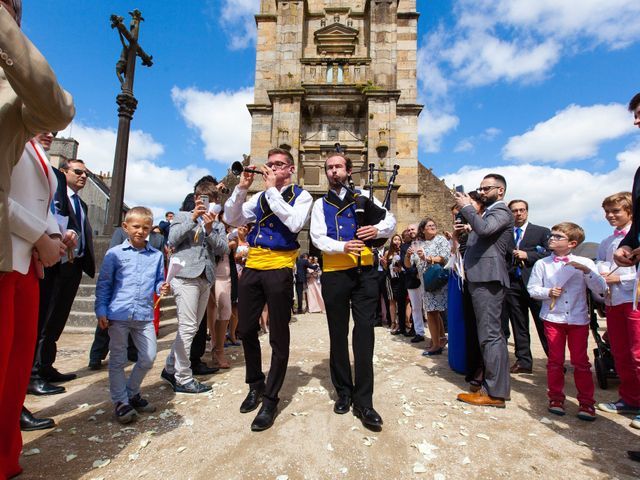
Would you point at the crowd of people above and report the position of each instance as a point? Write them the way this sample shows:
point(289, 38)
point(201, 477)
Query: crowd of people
point(233, 269)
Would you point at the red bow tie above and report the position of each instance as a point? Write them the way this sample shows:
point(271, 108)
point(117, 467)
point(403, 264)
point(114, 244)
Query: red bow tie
point(619, 233)
point(561, 259)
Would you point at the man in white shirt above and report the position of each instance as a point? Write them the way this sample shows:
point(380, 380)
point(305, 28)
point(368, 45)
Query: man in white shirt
point(279, 213)
point(349, 281)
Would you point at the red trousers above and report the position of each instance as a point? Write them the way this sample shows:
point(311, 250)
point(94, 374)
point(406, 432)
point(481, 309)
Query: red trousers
point(623, 326)
point(559, 335)
point(19, 298)
point(156, 314)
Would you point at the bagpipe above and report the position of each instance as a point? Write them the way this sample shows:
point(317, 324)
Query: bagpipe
point(367, 212)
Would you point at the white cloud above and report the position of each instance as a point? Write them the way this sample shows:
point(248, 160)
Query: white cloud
point(433, 126)
point(464, 145)
point(560, 194)
point(237, 20)
point(221, 120)
point(574, 133)
point(147, 183)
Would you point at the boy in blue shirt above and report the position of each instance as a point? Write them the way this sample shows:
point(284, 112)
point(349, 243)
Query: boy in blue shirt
point(130, 273)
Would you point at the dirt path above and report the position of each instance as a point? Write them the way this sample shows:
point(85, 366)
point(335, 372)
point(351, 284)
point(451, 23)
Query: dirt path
point(427, 434)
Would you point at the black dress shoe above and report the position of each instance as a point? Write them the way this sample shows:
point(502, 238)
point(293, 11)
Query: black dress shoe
point(265, 418)
point(95, 364)
point(38, 386)
point(29, 423)
point(342, 405)
point(251, 402)
point(203, 369)
point(50, 374)
point(417, 339)
point(409, 333)
point(369, 417)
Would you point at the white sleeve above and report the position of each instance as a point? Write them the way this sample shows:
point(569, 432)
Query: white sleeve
point(318, 231)
point(293, 216)
point(536, 287)
point(237, 211)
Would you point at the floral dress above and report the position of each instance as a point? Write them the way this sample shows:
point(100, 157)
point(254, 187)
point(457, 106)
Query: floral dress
point(437, 247)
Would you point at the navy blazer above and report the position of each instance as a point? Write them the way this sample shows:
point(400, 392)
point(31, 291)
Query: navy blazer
point(633, 236)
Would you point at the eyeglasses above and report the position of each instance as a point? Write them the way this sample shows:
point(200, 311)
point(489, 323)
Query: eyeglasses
point(78, 171)
point(486, 189)
point(277, 165)
point(431, 225)
point(555, 236)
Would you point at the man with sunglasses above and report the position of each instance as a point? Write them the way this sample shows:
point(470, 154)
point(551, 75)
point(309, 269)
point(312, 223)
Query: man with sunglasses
point(486, 272)
point(60, 284)
point(279, 213)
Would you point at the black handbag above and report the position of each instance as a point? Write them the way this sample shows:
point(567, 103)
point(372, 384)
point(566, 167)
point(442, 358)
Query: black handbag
point(435, 277)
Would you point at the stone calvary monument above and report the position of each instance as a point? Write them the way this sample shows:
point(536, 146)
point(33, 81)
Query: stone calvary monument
point(344, 71)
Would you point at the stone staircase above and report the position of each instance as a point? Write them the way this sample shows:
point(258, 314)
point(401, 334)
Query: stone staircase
point(82, 314)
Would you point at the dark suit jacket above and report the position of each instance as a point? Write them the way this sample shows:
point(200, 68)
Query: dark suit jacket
point(486, 253)
point(633, 236)
point(301, 270)
point(536, 243)
point(88, 259)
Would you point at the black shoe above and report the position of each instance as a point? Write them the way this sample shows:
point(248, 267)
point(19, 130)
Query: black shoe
point(396, 332)
point(193, 386)
point(29, 423)
point(342, 405)
point(95, 364)
point(265, 418)
point(369, 417)
point(409, 333)
point(202, 369)
point(417, 339)
point(170, 378)
point(251, 402)
point(38, 386)
point(634, 455)
point(141, 405)
point(50, 374)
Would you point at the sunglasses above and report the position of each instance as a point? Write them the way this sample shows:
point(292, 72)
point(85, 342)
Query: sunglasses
point(486, 189)
point(78, 171)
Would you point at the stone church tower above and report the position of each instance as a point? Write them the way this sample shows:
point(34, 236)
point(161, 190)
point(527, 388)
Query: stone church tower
point(343, 71)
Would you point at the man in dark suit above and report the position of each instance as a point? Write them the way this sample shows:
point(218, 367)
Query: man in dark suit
point(60, 284)
point(302, 263)
point(528, 245)
point(486, 273)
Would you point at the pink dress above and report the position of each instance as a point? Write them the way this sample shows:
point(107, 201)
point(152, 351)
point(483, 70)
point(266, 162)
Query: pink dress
point(314, 292)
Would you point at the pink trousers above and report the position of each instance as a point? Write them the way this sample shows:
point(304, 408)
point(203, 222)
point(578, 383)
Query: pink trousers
point(623, 326)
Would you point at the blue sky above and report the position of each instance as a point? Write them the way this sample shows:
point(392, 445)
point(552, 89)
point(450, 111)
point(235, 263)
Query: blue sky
point(535, 89)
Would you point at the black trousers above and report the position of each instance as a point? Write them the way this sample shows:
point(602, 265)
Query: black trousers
point(346, 292)
point(199, 343)
point(300, 296)
point(58, 289)
point(401, 302)
point(517, 304)
point(275, 288)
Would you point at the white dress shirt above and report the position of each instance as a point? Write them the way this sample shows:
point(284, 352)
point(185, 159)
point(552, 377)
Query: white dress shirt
point(318, 229)
point(571, 306)
point(622, 292)
point(238, 211)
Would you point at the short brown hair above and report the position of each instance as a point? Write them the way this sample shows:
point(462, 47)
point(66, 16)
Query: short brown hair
point(526, 204)
point(621, 199)
point(281, 151)
point(208, 188)
point(574, 232)
point(143, 212)
point(348, 164)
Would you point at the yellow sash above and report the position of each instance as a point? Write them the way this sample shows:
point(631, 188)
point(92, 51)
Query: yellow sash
point(332, 262)
point(266, 259)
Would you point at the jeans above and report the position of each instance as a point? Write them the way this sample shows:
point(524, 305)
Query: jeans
point(144, 338)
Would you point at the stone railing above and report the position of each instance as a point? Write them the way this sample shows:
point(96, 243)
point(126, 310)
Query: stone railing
point(335, 73)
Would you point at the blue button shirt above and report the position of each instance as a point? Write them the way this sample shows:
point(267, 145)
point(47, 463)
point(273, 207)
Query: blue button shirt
point(127, 280)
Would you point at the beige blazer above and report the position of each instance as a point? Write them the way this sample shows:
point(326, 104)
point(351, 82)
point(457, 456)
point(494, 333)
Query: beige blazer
point(29, 200)
point(31, 102)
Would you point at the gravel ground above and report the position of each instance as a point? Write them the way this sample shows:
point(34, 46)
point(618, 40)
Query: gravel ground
point(427, 434)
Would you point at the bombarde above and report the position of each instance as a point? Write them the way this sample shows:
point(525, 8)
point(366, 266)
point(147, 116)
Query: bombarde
point(237, 168)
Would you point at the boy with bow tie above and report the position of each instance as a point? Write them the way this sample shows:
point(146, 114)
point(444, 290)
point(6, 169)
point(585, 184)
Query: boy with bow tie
point(560, 281)
point(624, 334)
